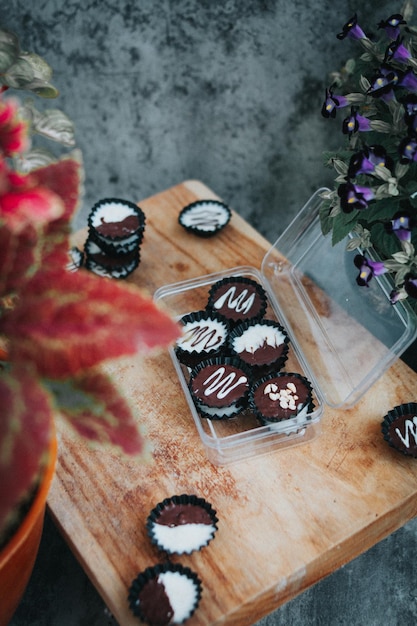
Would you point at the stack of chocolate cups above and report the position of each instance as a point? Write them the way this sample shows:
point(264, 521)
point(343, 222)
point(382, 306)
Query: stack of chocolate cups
point(115, 234)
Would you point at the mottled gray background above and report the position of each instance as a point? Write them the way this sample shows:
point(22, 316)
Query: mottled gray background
point(228, 92)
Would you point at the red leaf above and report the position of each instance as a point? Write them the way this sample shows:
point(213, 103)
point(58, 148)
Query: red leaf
point(65, 322)
point(64, 178)
point(18, 257)
point(23, 202)
point(36, 242)
point(97, 412)
point(25, 432)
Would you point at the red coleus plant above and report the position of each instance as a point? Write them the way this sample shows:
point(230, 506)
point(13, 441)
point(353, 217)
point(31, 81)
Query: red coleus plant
point(58, 326)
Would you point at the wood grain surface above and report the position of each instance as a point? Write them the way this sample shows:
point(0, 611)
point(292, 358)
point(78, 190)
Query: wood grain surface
point(286, 519)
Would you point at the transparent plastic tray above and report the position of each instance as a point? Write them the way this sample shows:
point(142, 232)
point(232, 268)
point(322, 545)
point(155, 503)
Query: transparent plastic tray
point(342, 337)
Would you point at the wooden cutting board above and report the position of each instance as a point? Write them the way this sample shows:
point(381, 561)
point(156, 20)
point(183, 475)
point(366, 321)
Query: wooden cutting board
point(286, 519)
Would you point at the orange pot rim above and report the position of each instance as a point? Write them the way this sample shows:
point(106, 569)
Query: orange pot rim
point(36, 508)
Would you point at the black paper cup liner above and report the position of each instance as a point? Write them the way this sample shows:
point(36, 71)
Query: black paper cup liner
point(237, 299)
point(261, 359)
point(275, 410)
point(182, 508)
point(399, 428)
point(205, 218)
point(115, 248)
point(232, 404)
point(109, 220)
point(75, 259)
point(103, 264)
point(208, 344)
point(122, 271)
point(157, 613)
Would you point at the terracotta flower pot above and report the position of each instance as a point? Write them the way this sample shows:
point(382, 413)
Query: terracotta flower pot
point(18, 556)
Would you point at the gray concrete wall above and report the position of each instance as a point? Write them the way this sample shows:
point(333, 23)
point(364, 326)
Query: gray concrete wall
point(227, 92)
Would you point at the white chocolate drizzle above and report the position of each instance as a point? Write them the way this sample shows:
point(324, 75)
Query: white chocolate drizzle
point(241, 303)
point(410, 427)
point(222, 384)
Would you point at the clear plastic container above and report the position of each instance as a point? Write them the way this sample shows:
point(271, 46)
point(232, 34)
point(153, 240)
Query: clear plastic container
point(342, 337)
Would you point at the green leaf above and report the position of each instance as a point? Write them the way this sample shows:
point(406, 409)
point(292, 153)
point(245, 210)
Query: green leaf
point(386, 244)
point(382, 209)
point(40, 67)
point(37, 157)
point(325, 220)
point(42, 88)
point(9, 50)
point(53, 124)
point(19, 74)
point(342, 225)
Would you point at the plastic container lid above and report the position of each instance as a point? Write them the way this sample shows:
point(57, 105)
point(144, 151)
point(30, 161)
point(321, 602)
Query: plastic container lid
point(346, 336)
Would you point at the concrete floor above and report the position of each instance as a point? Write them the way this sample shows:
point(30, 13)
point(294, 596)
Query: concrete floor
point(229, 93)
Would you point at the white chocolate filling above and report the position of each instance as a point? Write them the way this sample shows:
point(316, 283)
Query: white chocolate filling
point(111, 212)
point(202, 335)
point(256, 336)
point(183, 538)
point(206, 216)
point(182, 594)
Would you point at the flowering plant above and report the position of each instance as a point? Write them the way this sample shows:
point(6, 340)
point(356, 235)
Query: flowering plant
point(375, 194)
point(57, 325)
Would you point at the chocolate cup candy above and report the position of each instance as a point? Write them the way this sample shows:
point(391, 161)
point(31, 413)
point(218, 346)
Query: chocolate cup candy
point(204, 336)
point(182, 524)
point(103, 264)
point(220, 387)
point(237, 299)
point(116, 222)
point(281, 396)
point(399, 428)
point(205, 218)
point(165, 594)
point(261, 345)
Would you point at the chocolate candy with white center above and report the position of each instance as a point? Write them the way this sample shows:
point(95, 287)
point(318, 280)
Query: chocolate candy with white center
point(399, 428)
point(219, 387)
point(165, 594)
point(116, 225)
point(262, 345)
point(205, 218)
point(182, 524)
point(237, 299)
point(204, 335)
point(102, 263)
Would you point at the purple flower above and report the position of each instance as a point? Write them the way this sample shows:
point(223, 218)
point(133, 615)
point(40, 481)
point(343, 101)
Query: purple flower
point(383, 83)
point(410, 112)
point(392, 25)
point(352, 29)
point(410, 285)
point(355, 122)
point(365, 161)
point(354, 197)
point(396, 51)
point(408, 150)
point(367, 269)
point(396, 295)
point(410, 106)
point(400, 225)
point(408, 80)
point(332, 102)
